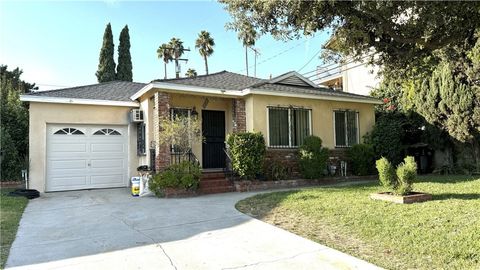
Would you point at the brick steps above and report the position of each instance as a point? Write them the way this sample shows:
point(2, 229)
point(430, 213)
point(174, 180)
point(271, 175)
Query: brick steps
point(215, 182)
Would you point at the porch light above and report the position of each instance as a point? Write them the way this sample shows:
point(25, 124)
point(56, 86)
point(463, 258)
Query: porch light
point(194, 112)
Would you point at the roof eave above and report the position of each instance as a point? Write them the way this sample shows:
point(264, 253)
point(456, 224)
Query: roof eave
point(80, 101)
point(181, 88)
point(312, 96)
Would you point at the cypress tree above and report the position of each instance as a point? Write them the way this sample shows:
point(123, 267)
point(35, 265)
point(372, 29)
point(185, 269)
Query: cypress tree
point(124, 68)
point(106, 64)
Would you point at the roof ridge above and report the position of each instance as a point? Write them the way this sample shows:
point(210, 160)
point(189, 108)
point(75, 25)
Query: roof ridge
point(186, 78)
point(81, 86)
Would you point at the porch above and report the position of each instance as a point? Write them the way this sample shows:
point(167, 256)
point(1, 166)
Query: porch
point(219, 116)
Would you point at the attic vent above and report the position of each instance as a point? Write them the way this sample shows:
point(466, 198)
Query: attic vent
point(294, 80)
point(136, 115)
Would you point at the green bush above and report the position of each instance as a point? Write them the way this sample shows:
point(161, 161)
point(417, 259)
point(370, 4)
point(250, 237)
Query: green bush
point(386, 173)
point(400, 182)
point(247, 151)
point(11, 162)
point(276, 171)
point(362, 159)
point(184, 175)
point(312, 158)
point(406, 175)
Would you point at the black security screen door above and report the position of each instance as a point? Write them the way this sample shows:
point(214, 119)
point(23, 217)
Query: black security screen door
point(213, 127)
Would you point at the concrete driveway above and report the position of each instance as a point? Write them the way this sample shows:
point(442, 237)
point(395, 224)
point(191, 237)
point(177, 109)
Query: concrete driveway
point(109, 229)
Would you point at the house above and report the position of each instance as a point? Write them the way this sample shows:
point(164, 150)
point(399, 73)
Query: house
point(350, 76)
point(95, 136)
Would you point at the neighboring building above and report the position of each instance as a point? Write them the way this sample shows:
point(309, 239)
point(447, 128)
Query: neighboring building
point(348, 76)
point(95, 136)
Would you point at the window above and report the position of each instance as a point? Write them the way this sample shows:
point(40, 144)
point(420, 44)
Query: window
point(288, 127)
point(68, 131)
point(106, 131)
point(141, 147)
point(346, 128)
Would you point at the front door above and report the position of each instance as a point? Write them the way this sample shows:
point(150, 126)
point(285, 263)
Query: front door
point(213, 127)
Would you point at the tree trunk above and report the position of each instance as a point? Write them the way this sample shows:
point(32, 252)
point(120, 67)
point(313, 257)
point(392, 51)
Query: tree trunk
point(246, 58)
point(206, 64)
point(165, 68)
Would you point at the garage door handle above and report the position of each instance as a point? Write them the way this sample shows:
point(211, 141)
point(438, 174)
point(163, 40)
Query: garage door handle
point(88, 164)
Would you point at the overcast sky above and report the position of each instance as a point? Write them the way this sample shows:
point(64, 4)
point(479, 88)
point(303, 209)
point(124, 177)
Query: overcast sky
point(57, 44)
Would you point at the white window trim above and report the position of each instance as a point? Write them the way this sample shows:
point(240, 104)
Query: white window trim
point(346, 128)
point(289, 108)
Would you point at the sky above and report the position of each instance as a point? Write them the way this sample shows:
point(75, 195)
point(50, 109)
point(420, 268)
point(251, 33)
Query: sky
point(57, 44)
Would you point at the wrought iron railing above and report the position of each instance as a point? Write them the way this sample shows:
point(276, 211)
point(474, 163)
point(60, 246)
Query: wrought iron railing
point(178, 157)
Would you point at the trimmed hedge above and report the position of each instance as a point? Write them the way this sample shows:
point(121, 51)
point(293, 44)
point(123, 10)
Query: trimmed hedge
point(400, 181)
point(312, 158)
point(184, 175)
point(247, 151)
point(362, 159)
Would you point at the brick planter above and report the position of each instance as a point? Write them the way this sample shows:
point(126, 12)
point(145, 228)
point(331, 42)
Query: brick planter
point(178, 193)
point(413, 197)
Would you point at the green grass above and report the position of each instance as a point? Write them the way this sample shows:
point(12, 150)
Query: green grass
point(11, 210)
point(440, 234)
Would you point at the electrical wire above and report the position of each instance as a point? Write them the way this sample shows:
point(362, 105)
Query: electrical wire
point(308, 62)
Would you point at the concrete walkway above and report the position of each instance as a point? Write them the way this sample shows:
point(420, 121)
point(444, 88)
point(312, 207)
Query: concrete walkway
point(109, 229)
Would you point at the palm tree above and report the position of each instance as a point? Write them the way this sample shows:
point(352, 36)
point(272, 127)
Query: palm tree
point(247, 35)
point(204, 44)
point(191, 73)
point(177, 46)
point(165, 52)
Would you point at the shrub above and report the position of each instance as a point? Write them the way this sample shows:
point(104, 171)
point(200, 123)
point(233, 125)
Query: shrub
point(406, 174)
point(247, 151)
point(386, 173)
point(276, 171)
point(312, 157)
point(362, 159)
point(184, 175)
point(401, 182)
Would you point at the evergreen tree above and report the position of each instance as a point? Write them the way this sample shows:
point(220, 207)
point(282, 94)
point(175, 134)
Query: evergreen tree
point(13, 122)
point(124, 67)
point(106, 64)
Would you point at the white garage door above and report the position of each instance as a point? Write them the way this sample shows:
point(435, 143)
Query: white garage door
point(84, 157)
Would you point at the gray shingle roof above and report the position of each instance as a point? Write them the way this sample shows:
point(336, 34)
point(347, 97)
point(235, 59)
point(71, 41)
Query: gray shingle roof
point(122, 91)
point(116, 91)
point(322, 91)
point(220, 80)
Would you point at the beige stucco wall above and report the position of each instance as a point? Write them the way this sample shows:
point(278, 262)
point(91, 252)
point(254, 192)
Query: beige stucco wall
point(322, 114)
point(42, 114)
point(188, 101)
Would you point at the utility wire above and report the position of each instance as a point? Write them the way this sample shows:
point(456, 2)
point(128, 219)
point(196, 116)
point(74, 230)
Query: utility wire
point(337, 65)
point(276, 55)
point(308, 62)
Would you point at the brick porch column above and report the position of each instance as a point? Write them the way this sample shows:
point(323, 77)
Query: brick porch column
point(161, 109)
point(239, 117)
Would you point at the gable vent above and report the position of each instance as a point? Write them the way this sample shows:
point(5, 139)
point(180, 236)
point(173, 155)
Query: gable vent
point(294, 80)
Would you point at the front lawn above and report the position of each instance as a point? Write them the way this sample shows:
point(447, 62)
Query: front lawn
point(440, 234)
point(11, 210)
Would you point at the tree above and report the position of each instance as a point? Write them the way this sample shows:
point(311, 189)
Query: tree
point(165, 53)
point(180, 131)
point(106, 63)
point(204, 44)
point(124, 67)
point(191, 73)
point(248, 35)
point(14, 123)
point(402, 32)
point(177, 46)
